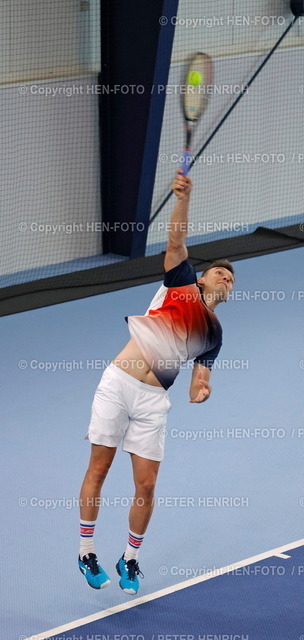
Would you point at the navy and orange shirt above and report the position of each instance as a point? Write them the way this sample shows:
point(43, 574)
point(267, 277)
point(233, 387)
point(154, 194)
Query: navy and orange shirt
point(177, 327)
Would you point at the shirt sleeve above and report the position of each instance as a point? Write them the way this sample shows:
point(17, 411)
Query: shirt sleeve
point(181, 275)
point(207, 358)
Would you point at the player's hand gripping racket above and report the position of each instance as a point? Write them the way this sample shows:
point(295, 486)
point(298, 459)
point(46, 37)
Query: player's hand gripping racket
point(195, 99)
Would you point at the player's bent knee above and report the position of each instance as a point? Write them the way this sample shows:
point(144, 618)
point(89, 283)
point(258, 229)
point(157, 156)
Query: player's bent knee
point(97, 475)
point(146, 487)
point(100, 461)
point(99, 469)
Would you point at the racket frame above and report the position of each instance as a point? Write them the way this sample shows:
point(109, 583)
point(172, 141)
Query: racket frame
point(202, 63)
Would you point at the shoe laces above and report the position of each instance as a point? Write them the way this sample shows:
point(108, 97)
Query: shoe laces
point(133, 569)
point(92, 564)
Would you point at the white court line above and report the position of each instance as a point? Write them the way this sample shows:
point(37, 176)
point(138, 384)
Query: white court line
point(279, 551)
point(281, 555)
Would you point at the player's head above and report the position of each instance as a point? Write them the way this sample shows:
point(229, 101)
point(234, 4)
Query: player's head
point(216, 282)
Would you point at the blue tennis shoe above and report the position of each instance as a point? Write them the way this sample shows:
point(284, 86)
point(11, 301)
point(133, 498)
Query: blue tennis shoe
point(128, 571)
point(95, 575)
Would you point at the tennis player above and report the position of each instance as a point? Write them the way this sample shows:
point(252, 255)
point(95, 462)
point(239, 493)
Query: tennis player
point(131, 402)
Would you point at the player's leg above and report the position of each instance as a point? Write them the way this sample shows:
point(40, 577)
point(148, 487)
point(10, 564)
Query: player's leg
point(145, 476)
point(99, 465)
point(89, 501)
point(109, 421)
point(144, 439)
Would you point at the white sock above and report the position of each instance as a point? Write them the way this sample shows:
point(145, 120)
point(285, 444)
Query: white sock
point(133, 546)
point(86, 537)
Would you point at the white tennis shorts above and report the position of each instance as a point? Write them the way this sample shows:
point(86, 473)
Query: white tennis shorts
point(128, 410)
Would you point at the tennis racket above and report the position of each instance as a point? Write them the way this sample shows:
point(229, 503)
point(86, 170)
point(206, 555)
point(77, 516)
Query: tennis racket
point(195, 99)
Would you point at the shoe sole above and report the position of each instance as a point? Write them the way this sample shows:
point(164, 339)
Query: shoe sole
point(102, 586)
point(130, 592)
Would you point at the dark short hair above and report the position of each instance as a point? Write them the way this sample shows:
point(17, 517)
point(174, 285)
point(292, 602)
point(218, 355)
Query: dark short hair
point(220, 263)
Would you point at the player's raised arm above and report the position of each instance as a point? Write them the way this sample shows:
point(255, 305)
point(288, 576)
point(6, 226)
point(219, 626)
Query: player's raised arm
point(176, 248)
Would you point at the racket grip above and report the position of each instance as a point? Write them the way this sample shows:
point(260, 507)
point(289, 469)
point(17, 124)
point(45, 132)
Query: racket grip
point(186, 161)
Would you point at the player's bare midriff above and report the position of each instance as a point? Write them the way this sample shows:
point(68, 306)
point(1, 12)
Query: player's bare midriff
point(131, 360)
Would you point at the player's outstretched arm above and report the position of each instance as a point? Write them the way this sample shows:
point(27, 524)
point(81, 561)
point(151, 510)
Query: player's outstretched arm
point(176, 248)
point(200, 388)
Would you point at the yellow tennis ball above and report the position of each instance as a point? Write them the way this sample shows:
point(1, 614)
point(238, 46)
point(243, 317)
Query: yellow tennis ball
point(195, 78)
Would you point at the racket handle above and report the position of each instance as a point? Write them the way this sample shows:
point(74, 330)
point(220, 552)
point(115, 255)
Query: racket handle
point(186, 161)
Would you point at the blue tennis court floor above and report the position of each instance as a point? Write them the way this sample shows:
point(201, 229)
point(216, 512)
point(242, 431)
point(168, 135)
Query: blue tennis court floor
point(260, 598)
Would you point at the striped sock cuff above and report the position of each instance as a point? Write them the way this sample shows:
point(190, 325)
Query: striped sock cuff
point(135, 540)
point(87, 529)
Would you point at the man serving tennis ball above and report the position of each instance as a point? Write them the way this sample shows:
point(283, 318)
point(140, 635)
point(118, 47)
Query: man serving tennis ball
point(131, 401)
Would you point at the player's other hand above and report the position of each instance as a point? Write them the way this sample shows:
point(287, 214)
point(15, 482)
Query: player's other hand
point(181, 185)
point(200, 390)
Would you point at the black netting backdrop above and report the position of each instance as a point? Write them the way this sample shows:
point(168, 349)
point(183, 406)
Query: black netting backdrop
point(248, 182)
